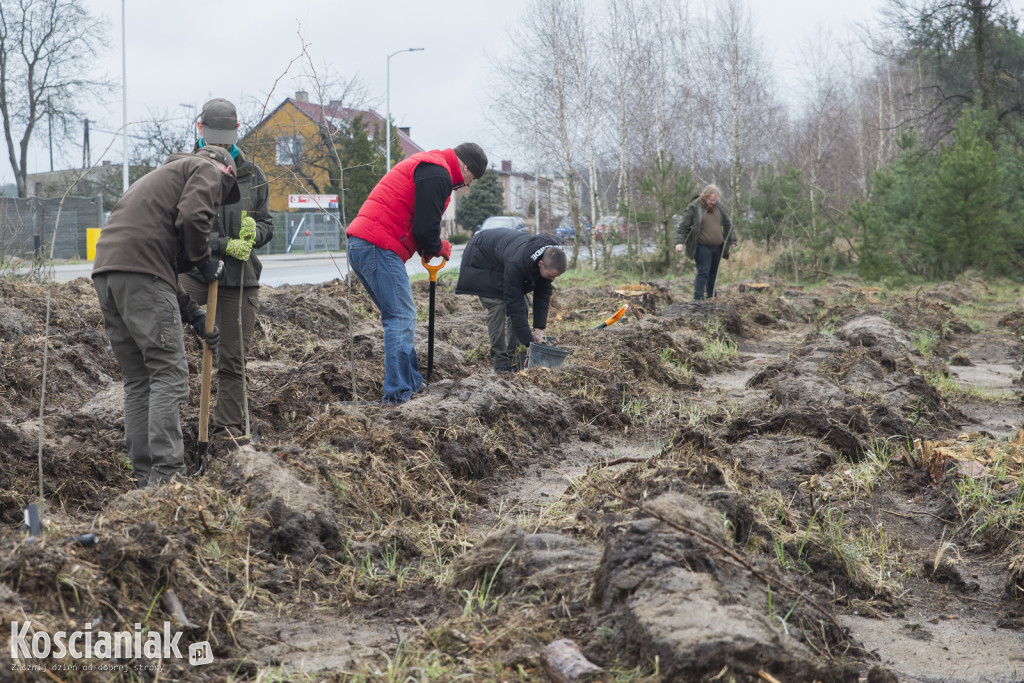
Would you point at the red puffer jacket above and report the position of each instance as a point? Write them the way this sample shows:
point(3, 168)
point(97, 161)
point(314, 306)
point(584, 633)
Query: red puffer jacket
point(385, 219)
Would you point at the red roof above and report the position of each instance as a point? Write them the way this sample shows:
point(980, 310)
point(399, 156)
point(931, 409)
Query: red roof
point(372, 119)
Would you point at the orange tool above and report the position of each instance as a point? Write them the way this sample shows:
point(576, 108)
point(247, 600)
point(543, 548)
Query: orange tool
point(614, 318)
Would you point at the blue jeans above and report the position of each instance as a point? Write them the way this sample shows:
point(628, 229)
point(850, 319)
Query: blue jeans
point(383, 274)
point(707, 259)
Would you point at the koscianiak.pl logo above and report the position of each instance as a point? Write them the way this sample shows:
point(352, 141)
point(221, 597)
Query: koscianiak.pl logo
point(30, 648)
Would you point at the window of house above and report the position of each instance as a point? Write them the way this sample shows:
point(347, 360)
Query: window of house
point(289, 150)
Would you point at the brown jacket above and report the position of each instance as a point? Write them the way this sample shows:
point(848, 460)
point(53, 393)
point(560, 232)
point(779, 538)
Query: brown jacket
point(161, 225)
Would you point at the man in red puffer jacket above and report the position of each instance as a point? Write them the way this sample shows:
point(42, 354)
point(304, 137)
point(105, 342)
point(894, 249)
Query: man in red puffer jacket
point(401, 216)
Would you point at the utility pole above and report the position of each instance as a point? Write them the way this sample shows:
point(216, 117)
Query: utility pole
point(124, 104)
point(86, 152)
point(49, 129)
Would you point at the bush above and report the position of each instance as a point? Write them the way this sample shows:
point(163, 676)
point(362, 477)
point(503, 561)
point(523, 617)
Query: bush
point(459, 238)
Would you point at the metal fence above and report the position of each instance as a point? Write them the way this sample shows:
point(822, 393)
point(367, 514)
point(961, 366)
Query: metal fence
point(290, 233)
point(27, 226)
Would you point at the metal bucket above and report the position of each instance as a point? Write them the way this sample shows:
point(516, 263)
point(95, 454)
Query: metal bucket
point(545, 356)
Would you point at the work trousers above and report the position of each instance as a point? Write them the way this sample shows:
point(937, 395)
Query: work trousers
point(504, 344)
point(707, 259)
point(228, 417)
point(143, 322)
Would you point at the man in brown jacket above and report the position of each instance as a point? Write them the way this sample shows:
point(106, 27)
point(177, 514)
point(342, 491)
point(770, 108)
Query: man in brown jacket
point(159, 227)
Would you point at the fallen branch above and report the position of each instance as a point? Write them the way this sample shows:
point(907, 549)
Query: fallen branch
point(918, 512)
point(619, 461)
point(173, 605)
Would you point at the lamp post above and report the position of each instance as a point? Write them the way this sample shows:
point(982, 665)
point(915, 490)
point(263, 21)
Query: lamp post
point(387, 123)
point(124, 106)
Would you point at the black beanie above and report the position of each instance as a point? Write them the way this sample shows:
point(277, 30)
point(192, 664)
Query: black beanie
point(472, 155)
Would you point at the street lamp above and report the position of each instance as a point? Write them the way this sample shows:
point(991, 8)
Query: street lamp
point(124, 107)
point(387, 123)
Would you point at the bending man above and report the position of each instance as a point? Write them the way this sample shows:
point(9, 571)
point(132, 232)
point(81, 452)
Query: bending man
point(502, 266)
point(158, 228)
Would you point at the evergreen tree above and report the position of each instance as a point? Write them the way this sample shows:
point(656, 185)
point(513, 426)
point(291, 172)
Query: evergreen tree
point(668, 191)
point(779, 206)
point(485, 199)
point(965, 224)
point(358, 158)
point(363, 161)
point(938, 213)
point(889, 221)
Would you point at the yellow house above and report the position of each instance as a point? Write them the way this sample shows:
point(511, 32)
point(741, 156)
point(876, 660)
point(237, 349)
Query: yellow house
point(290, 145)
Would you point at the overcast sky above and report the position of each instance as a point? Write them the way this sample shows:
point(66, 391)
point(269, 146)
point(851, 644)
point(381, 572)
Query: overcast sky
point(187, 51)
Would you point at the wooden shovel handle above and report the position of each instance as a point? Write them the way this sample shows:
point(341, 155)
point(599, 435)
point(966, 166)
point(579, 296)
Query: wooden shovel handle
point(204, 394)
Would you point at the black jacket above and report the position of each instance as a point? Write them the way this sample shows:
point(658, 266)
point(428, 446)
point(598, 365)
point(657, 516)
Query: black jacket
point(502, 264)
point(255, 199)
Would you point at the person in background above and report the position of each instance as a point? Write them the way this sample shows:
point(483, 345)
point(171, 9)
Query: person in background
point(239, 228)
point(159, 227)
point(706, 233)
point(402, 215)
point(502, 266)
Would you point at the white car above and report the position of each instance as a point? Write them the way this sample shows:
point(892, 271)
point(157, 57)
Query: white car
point(510, 222)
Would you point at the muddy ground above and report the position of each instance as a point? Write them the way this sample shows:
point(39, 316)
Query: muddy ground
point(785, 484)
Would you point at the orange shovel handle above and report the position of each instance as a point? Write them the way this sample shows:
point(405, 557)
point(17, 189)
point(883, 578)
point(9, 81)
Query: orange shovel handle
point(433, 269)
point(614, 318)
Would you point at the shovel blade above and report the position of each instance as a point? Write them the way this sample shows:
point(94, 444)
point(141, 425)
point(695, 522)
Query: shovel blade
point(202, 457)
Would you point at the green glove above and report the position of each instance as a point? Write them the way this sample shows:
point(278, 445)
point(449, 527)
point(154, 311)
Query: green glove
point(248, 229)
point(239, 249)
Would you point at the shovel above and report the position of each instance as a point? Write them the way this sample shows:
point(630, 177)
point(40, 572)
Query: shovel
point(204, 393)
point(612, 320)
point(430, 326)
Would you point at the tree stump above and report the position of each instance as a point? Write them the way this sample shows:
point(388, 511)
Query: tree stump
point(639, 297)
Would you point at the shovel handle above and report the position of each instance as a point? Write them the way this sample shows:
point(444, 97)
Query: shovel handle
point(433, 269)
point(204, 393)
point(614, 318)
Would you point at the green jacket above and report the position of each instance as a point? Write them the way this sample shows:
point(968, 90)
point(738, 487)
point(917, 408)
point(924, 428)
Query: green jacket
point(688, 229)
point(255, 198)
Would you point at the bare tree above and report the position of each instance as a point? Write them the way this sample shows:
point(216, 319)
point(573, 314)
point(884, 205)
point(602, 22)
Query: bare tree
point(46, 47)
point(747, 109)
point(638, 89)
point(536, 102)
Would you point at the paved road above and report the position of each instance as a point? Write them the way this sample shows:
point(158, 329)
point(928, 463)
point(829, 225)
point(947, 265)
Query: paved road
point(307, 269)
point(287, 269)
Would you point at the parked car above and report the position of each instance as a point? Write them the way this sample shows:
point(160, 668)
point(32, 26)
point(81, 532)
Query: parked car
point(611, 227)
point(566, 231)
point(510, 222)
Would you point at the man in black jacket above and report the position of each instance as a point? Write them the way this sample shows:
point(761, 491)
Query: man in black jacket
point(502, 266)
point(239, 228)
